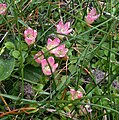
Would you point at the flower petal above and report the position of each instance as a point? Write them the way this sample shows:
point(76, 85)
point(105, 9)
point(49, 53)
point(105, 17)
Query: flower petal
point(51, 60)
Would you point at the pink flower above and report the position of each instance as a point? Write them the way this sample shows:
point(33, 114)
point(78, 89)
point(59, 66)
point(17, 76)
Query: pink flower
point(51, 44)
point(63, 28)
point(3, 8)
point(91, 17)
point(39, 57)
point(30, 36)
point(48, 70)
point(75, 94)
point(85, 109)
point(61, 51)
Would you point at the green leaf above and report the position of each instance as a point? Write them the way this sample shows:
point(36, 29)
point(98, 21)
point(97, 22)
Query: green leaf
point(15, 53)
point(6, 67)
point(24, 55)
point(63, 80)
point(32, 73)
point(9, 45)
point(24, 46)
point(39, 87)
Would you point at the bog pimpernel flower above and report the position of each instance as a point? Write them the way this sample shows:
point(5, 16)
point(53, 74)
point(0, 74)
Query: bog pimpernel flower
point(51, 44)
point(75, 94)
point(85, 109)
point(61, 51)
point(3, 8)
point(30, 36)
point(92, 16)
point(48, 70)
point(63, 28)
point(39, 57)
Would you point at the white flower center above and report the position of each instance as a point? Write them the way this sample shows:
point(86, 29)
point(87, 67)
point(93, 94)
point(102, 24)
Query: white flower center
point(29, 36)
point(47, 67)
point(2, 9)
point(62, 30)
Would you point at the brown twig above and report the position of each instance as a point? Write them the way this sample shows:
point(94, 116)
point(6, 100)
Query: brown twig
point(17, 111)
point(5, 103)
point(6, 23)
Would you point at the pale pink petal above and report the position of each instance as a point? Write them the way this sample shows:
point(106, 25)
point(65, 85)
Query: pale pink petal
point(93, 12)
point(69, 31)
point(46, 72)
point(49, 41)
point(61, 51)
point(35, 33)
point(91, 16)
point(3, 8)
point(61, 46)
point(96, 16)
point(44, 62)
point(67, 26)
point(55, 66)
point(75, 94)
point(45, 67)
point(49, 68)
point(63, 28)
point(60, 25)
point(30, 36)
point(51, 44)
point(51, 61)
point(39, 57)
point(56, 41)
point(80, 95)
point(29, 41)
point(89, 20)
point(72, 91)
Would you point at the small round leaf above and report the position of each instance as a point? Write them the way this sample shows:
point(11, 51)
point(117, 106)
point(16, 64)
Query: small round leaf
point(6, 67)
point(9, 45)
point(15, 53)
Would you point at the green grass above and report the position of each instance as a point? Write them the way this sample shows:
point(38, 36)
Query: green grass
point(91, 47)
